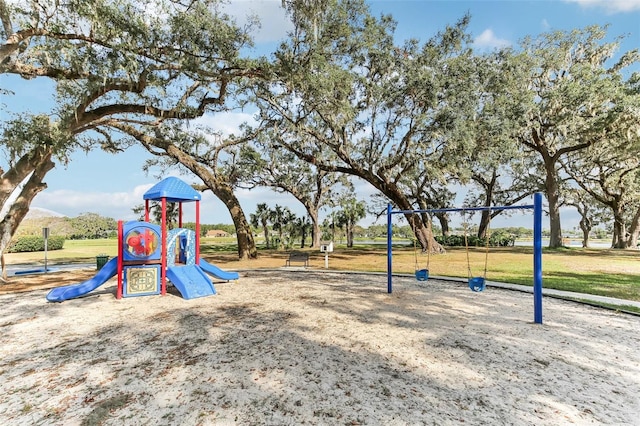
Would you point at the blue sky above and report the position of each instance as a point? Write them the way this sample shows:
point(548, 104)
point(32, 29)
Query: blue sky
point(111, 185)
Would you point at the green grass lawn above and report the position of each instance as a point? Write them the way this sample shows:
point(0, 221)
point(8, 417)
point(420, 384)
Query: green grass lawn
point(74, 251)
point(613, 273)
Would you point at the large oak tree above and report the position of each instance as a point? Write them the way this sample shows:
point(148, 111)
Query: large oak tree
point(343, 85)
point(577, 98)
point(121, 64)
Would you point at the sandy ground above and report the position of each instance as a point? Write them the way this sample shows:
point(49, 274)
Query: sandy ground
point(290, 348)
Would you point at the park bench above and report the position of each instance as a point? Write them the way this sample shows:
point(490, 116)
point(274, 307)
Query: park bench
point(298, 256)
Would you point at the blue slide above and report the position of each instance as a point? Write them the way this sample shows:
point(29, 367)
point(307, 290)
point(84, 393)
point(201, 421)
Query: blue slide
point(60, 294)
point(216, 272)
point(190, 281)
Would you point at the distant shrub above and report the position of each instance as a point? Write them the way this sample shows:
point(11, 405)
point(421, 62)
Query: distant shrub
point(502, 238)
point(29, 243)
point(497, 239)
point(458, 241)
point(450, 240)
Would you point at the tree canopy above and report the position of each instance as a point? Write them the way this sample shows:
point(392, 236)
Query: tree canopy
point(121, 69)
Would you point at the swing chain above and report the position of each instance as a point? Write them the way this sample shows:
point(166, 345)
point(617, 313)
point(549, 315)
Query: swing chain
point(466, 244)
point(415, 247)
point(486, 238)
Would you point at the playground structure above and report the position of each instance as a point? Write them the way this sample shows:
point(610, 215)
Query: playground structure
point(477, 283)
point(149, 254)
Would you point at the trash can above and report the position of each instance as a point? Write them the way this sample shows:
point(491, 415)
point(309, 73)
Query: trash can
point(101, 260)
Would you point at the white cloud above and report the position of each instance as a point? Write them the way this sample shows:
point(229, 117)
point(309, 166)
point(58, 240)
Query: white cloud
point(226, 122)
point(119, 205)
point(545, 25)
point(72, 203)
point(611, 6)
point(274, 23)
point(488, 39)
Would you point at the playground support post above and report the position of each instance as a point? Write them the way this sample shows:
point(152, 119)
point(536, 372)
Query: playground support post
point(120, 264)
point(163, 252)
point(197, 232)
point(45, 237)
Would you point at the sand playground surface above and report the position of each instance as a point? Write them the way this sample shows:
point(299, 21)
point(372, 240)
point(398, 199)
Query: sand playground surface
point(318, 348)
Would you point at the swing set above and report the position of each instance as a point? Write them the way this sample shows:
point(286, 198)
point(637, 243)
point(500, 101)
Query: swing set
point(478, 283)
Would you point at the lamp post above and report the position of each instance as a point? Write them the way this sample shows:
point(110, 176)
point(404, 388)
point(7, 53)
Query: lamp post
point(45, 236)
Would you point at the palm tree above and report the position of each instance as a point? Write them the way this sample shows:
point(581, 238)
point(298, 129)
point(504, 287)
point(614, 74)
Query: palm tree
point(280, 217)
point(302, 227)
point(261, 219)
point(155, 213)
point(352, 211)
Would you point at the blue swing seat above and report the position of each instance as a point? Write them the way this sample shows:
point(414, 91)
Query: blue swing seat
point(422, 274)
point(477, 283)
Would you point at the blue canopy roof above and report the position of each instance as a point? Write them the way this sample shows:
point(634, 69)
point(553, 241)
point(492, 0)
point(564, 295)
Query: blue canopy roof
point(173, 189)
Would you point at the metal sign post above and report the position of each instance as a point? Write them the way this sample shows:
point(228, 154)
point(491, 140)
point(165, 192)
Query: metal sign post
point(45, 235)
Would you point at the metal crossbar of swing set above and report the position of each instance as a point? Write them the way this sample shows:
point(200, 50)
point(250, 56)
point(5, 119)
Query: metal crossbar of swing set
point(462, 209)
point(537, 243)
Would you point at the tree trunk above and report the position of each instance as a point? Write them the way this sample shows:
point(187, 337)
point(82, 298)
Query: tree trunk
point(315, 227)
point(41, 164)
point(423, 234)
point(444, 223)
point(618, 240)
point(12, 178)
point(553, 198)
point(551, 185)
point(246, 244)
point(316, 233)
point(280, 245)
point(619, 229)
point(485, 218)
point(303, 235)
point(634, 231)
point(585, 226)
point(349, 232)
point(265, 230)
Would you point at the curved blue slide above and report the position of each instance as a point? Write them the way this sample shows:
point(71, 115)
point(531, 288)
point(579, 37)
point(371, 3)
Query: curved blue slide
point(191, 281)
point(60, 294)
point(216, 272)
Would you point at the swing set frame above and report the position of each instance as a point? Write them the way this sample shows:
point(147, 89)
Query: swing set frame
point(537, 243)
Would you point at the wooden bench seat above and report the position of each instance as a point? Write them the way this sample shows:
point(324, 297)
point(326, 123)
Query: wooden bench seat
point(298, 256)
